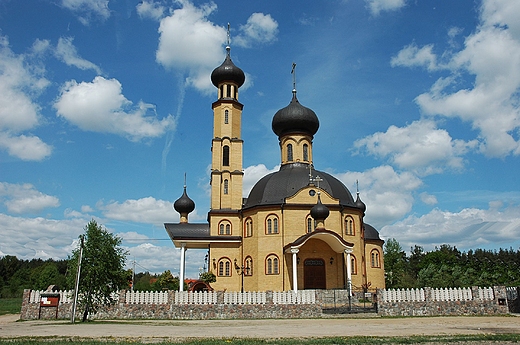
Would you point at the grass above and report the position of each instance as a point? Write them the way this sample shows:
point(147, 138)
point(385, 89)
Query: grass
point(10, 305)
point(456, 339)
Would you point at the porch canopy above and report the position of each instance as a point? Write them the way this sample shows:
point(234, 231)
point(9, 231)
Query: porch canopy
point(335, 242)
point(193, 236)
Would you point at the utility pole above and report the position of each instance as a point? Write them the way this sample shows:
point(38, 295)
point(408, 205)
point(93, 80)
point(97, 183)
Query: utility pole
point(76, 288)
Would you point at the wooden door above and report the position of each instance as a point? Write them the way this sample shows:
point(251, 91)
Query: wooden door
point(314, 274)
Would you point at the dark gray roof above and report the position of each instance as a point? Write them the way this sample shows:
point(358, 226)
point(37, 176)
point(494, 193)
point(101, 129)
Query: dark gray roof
point(295, 118)
point(228, 72)
point(371, 233)
point(272, 189)
point(184, 204)
point(187, 230)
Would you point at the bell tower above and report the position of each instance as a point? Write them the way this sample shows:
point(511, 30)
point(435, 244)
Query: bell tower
point(226, 146)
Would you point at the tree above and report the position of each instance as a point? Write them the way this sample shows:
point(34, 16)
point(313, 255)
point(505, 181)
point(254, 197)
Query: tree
point(166, 281)
point(102, 268)
point(395, 263)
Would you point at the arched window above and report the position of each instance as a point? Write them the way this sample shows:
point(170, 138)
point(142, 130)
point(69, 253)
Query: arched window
point(310, 224)
point(228, 91)
point(226, 186)
point(271, 224)
point(353, 265)
point(226, 116)
point(349, 226)
point(249, 228)
point(272, 265)
point(225, 156)
point(305, 152)
point(289, 153)
point(248, 266)
point(375, 259)
point(224, 267)
point(224, 228)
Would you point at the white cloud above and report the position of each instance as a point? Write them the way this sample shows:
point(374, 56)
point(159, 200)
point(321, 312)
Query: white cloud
point(428, 199)
point(190, 43)
point(259, 29)
point(252, 174)
point(29, 238)
point(20, 84)
point(67, 53)
point(100, 106)
point(492, 55)
point(420, 146)
point(150, 9)
point(388, 194)
point(378, 6)
point(24, 198)
point(469, 228)
point(86, 9)
point(413, 56)
point(145, 210)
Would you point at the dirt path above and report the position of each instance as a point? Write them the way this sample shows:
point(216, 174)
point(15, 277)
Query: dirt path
point(275, 328)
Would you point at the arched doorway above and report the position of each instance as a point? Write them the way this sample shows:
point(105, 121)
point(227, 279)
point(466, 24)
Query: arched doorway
point(314, 276)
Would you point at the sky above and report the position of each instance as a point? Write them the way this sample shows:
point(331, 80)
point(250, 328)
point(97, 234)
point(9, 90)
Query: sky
point(105, 105)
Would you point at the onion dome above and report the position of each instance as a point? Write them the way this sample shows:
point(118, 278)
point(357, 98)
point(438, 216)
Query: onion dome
point(184, 204)
point(319, 211)
point(360, 204)
point(228, 72)
point(295, 118)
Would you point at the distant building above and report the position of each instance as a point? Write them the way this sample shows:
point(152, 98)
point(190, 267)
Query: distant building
point(299, 228)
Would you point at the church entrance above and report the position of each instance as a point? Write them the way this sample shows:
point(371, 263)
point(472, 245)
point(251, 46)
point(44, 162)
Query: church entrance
point(314, 274)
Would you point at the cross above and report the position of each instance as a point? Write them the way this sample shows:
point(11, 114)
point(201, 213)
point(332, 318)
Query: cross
point(317, 179)
point(228, 40)
point(293, 72)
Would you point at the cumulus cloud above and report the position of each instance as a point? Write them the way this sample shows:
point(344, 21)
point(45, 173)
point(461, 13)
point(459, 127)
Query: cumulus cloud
point(100, 106)
point(420, 146)
point(259, 29)
point(191, 44)
point(151, 9)
point(413, 56)
point(428, 199)
point(86, 9)
point(252, 174)
point(68, 53)
point(469, 228)
point(492, 55)
point(387, 193)
point(24, 198)
point(20, 85)
point(378, 6)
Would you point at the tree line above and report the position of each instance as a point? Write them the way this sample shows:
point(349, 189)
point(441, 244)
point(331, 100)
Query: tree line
point(446, 266)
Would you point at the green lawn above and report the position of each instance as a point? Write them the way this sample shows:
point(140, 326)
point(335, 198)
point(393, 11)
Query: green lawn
point(461, 339)
point(10, 306)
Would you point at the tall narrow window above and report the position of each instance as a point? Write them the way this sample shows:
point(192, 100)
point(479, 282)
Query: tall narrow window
point(249, 266)
point(228, 91)
point(275, 225)
point(226, 186)
point(221, 229)
point(249, 228)
point(269, 226)
point(225, 156)
point(374, 259)
point(228, 268)
point(289, 152)
point(353, 265)
point(226, 117)
point(305, 152)
point(309, 224)
point(228, 229)
point(269, 266)
point(221, 268)
point(349, 226)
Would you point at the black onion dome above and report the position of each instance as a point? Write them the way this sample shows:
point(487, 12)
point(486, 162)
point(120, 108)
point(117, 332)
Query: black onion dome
point(274, 188)
point(228, 72)
point(184, 204)
point(360, 204)
point(295, 118)
point(370, 232)
point(319, 211)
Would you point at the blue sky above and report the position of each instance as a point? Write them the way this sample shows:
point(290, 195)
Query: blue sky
point(106, 104)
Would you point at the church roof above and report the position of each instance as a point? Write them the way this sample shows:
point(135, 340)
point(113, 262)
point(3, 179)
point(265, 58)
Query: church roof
point(371, 233)
point(274, 188)
point(295, 118)
point(228, 71)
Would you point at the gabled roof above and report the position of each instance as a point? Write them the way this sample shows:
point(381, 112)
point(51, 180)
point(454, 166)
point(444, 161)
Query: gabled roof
point(195, 235)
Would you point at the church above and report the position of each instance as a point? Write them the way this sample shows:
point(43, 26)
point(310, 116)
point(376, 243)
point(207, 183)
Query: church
point(299, 228)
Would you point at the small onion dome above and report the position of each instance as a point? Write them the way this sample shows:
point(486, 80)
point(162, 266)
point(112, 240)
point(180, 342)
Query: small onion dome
point(319, 211)
point(184, 204)
point(360, 204)
point(228, 72)
point(295, 118)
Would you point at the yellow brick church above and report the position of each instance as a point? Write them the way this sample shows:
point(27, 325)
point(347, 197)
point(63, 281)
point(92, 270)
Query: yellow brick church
point(299, 228)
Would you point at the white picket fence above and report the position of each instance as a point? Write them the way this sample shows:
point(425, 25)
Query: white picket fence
point(203, 297)
point(441, 294)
